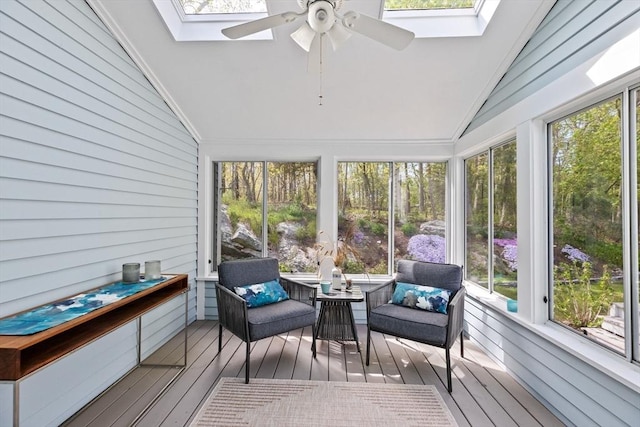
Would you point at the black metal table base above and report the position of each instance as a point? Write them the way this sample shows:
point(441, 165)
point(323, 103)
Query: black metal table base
point(336, 322)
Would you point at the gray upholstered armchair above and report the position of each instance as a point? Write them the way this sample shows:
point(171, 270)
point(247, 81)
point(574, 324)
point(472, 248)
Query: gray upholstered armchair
point(252, 324)
point(428, 327)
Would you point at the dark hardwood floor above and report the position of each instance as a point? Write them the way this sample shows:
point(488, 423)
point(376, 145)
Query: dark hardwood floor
point(483, 393)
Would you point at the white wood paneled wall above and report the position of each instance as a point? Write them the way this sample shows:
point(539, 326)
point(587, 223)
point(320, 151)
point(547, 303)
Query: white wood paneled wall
point(578, 394)
point(95, 171)
point(570, 34)
point(95, 168)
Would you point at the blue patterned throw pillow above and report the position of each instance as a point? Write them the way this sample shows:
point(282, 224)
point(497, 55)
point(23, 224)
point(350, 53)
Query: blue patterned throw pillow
point(421, 297)
point(262, 293)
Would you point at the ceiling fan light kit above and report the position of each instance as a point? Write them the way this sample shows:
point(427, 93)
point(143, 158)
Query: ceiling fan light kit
point(321, 18)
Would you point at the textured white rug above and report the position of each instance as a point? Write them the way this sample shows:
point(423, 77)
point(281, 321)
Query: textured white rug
point(265, 402)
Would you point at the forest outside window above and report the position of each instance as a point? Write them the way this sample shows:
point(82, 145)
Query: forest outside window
point(491, 220)
point(594, 203)
point(266, 209)
point(375, 197)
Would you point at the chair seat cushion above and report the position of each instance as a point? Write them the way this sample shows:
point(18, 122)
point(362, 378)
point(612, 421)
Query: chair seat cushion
point(273, 319)
point(418, 325)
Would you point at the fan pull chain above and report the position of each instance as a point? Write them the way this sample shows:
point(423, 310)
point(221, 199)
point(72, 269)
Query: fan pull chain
point(321, 43)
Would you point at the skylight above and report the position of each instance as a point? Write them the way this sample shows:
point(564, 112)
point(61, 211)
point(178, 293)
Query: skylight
point(441, 18)
point(192, 20)
point(428, 4)
point(201, 7)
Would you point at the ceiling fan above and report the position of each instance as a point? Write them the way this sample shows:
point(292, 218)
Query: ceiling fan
point(322, 19)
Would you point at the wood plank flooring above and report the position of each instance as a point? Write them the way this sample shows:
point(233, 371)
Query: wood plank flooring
point(483, 393)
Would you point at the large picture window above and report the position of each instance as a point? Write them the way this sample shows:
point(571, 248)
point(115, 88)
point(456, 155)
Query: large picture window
point(491, 220)
point(266, 209)
point(591, 199)
point(375, 197)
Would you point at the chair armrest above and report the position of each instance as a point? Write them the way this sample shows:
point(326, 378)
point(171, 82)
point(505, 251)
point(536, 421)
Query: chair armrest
point(300, 291)
point(456, 316)
point(379, 295)
point(232, 312)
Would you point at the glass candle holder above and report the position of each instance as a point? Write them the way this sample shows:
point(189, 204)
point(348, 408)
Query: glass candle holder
point(131, 272)
point(152, 270)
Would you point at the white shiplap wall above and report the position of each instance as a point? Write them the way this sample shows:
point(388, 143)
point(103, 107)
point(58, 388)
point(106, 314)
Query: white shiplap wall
point(571, 388)
point(568, 36)
point(581, 382)
point(95, 171)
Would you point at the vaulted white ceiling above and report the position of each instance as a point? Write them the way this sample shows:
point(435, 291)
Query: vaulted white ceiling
point(267, 90)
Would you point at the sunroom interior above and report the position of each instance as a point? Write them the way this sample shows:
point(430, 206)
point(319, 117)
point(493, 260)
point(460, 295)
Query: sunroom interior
point(504, 138)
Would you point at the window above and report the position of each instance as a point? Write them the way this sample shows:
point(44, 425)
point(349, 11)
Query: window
point(419, 211)
point(266, 209)
point(592, 203)
point(635, 199)
point(505, 242)
point(363, 216)
point(427, 4)
point(441, 18)
point(477, 219)
point(196, 7)
point(490, 218)
point(370, 194)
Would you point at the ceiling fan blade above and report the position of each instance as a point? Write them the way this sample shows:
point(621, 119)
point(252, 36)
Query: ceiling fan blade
point(252, 27)
point(304, 36)
point(380, 31)
point(338, 34)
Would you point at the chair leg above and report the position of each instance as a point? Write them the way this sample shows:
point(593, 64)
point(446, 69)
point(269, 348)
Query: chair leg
point(248, 358)
point(220, 338)
point(448, 357)
point(462, 344)
point(313, 340)
point(368, 344)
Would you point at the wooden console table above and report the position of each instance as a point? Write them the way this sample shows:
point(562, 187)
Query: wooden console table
point(21, 355)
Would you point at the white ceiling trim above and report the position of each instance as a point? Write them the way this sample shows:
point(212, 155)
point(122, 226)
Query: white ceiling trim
point(115, 29)
point(508, 59)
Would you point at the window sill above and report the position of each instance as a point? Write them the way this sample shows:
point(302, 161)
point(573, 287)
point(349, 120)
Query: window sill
point(312, 278)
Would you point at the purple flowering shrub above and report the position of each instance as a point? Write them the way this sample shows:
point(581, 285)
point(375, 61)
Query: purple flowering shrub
point(575, 254)
point(427, 247)
point(509, 251)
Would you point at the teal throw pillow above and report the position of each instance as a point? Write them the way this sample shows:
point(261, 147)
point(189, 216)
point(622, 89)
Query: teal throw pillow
point(262, 293)
point(421, 297)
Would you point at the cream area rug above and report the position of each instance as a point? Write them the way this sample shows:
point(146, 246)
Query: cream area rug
point(265, 402)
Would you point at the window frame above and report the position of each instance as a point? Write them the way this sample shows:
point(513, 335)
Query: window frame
point(489, 152)
point(216, 206)
point(630, 237)
point(391, 209)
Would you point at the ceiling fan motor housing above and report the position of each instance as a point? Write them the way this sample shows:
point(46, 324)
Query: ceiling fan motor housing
point(304, 4)
point(321, 16)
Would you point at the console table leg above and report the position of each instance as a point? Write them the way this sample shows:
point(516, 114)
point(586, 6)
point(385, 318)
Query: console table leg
point(16, 405)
